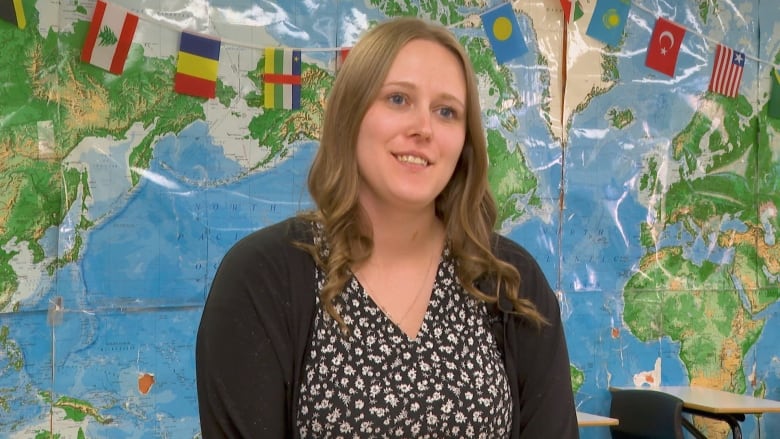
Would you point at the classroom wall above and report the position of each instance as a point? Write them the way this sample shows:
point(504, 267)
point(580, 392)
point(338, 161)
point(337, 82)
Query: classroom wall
point(650, 202)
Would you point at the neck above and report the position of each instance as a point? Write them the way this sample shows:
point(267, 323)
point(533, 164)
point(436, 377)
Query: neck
point(401, 234)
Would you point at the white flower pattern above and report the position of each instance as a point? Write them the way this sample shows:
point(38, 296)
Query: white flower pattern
point(447, 382)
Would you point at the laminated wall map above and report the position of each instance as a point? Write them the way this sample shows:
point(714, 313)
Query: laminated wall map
point(650, 202)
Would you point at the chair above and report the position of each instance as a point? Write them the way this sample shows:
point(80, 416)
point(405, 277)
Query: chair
point(648, 414)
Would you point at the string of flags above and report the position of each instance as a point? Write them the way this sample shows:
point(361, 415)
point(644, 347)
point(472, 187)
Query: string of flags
point(607, 25)
point(112, 29)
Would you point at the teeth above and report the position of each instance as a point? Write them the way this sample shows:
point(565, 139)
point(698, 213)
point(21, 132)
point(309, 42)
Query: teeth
point(412, 159)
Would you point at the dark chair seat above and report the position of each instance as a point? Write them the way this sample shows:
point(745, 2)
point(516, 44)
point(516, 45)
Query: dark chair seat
point(648, 414)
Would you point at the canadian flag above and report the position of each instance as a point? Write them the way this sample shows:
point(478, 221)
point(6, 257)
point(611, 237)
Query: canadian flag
point(109, 37)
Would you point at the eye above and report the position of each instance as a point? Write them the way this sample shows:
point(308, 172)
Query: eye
point(397, 99)
point(448, 112)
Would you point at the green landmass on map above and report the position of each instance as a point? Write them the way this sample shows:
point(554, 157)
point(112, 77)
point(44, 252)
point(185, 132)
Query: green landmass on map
point(81, 101)
point(620, 118)
point(697, 306)
point(444, 12)
point(723, 174)
point(577, 378)
point(512, 182)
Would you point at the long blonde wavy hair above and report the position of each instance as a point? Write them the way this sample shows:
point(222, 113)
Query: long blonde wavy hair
point(466, 206)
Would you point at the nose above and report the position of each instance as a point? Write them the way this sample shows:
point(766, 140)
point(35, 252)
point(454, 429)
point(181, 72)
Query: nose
point(422, 124)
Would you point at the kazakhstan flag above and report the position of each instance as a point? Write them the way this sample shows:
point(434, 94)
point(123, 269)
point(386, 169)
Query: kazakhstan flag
point(502, 30)
point(609, 20)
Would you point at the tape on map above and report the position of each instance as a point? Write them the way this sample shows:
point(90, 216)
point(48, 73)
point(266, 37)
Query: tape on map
point(54, 316)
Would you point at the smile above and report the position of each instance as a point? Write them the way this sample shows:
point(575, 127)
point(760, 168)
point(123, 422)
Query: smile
point(413, 159)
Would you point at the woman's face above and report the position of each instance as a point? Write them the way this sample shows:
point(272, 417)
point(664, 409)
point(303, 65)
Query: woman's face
point(412, 134)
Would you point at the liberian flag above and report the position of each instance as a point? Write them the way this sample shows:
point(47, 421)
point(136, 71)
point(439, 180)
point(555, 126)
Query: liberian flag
point(282, 79)
point(727, 72)
point(197, 66)
point(12, 11)
point(109, 37)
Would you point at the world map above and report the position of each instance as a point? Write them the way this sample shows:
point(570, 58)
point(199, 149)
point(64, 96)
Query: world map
point(651, 203)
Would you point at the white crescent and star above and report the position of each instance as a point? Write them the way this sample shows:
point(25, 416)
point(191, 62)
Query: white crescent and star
point(670, 36)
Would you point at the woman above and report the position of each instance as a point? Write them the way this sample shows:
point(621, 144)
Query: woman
point(392, 310)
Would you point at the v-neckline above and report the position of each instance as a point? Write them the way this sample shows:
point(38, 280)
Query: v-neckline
point(424, 324)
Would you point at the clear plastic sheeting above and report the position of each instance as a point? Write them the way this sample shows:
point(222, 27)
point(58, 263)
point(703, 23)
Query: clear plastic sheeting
point(650, 203)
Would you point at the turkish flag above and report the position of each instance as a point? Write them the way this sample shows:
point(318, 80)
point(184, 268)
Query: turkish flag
point(665, 46)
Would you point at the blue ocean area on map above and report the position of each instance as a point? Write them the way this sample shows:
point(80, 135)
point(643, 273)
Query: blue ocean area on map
point(157, 245)
point(147, 269)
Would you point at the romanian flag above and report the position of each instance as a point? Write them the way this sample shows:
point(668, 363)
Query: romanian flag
point(608, 21)
point(13, 12)
point(500, 25)
point(282, 79)
point(665, 46)
point(773, 110)
point(197, 66)
point(109, 37)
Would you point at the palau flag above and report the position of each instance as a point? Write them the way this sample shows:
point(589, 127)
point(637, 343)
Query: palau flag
point(197, 66)
point(13, 12)
point(608, 21)
point(774, 98)
point(282, 79)
point(500, 25)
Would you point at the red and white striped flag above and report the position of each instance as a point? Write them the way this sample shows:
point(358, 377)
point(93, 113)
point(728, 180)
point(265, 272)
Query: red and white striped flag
point(109, 37)
point(727, 71)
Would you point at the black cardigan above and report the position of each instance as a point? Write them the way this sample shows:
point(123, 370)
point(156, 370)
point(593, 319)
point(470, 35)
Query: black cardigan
point(256, 324)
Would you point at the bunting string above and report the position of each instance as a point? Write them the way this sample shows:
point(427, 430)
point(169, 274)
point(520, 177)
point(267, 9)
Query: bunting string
point(148, 18)
point(704, 37)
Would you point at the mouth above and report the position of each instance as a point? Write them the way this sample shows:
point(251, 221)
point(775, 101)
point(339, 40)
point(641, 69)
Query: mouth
point(411, 159)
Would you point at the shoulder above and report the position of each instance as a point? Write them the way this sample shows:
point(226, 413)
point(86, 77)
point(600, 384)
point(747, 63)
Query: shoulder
point(534, 286)
point(268, 256)
point(510, 251)
point(513, 253)
point(273, 241)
